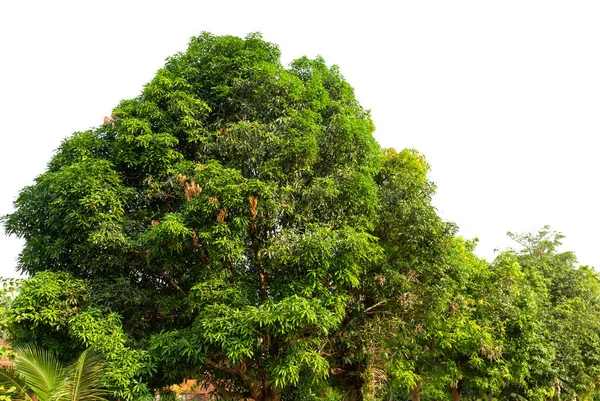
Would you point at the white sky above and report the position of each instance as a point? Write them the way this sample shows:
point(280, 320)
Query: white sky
point(502, 97)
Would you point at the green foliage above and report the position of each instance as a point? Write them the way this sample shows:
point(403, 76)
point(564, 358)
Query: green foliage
point(40, 314)
point(53, 310)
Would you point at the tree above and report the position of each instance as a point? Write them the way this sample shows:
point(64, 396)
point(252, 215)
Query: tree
point(386, 333)
point(411, 236)
point(495, 333)
point(462, 351)
point(38, 375)
point(220, 221)
point(570, 314)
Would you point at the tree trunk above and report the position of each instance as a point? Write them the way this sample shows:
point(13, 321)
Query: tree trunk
point(270, 395)
point(455, 394)
point(491, 396)
point(415, 393)
point(456, 391)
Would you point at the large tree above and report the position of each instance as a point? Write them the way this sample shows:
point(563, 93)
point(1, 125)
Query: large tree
point(220, 221)
point(238, 224)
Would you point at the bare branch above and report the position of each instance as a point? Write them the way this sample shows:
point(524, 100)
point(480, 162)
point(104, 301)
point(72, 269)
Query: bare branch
point(220, 367)
point(374, 306)
point(172, 282)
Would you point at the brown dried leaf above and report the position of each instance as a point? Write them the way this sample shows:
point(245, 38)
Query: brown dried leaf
point(222, 215)
point(412, 276)
point(191, 190)
point(181, 179)
point(253, 200)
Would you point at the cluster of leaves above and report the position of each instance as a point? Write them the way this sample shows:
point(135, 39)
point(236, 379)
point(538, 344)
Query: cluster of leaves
point(38, 375)
point(236, 223)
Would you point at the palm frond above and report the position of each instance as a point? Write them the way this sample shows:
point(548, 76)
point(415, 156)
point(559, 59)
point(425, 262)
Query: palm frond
point(564, 385)
point(12, 385)
point(40, 370)
point(83, 379)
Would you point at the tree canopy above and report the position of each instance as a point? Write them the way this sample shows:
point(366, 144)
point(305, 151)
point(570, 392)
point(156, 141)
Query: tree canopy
point(237, 223)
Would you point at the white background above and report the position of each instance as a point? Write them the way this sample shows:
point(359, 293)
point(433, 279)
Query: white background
point(502, 97)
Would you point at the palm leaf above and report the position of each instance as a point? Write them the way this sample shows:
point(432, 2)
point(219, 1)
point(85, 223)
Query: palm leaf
point(12, 385)
point(83, 380)
point(564, 385)
point(40, 370)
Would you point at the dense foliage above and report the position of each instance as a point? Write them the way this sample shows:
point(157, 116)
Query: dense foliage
point(237, 223)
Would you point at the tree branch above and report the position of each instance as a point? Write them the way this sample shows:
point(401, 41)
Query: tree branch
point(254, 388)
point(172, 282)
point(374, 306)
point(229, 393)
point(220, 367)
